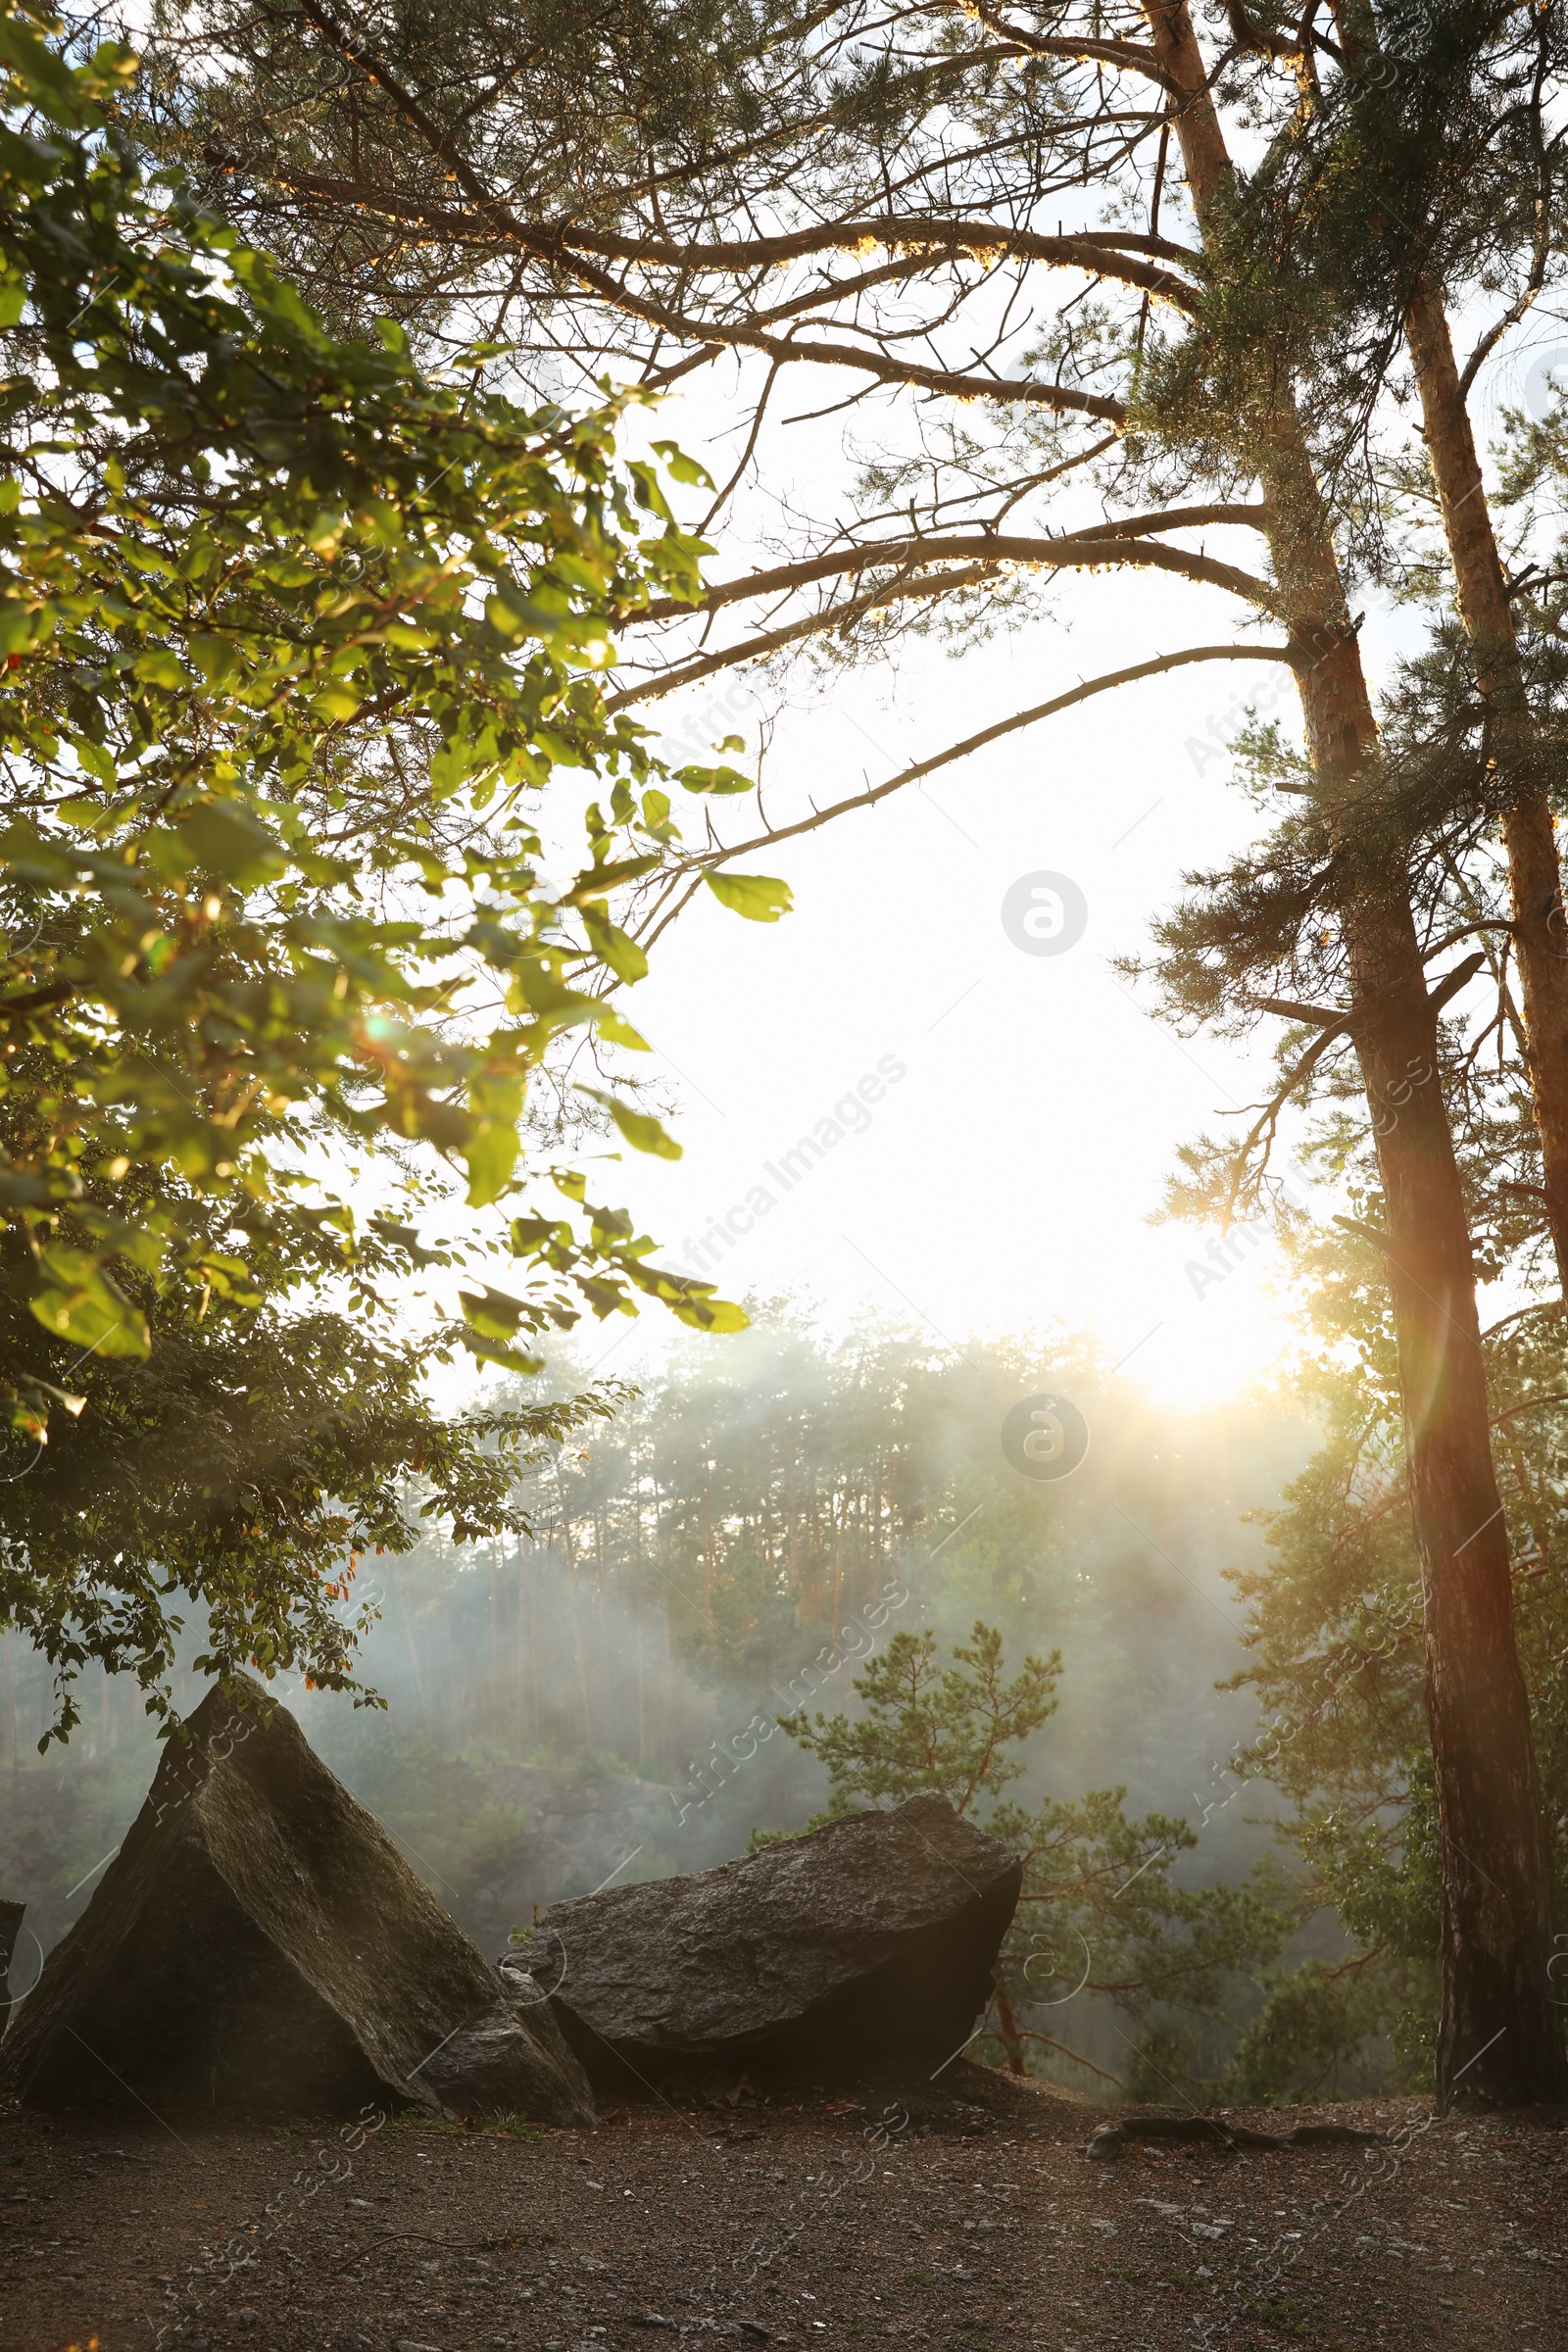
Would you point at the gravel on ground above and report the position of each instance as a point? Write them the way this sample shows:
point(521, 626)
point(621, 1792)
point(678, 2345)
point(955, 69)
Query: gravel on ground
point(963, 2216)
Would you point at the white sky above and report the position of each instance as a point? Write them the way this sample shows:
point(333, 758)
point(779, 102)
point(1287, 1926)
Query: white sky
point(1007, 1178)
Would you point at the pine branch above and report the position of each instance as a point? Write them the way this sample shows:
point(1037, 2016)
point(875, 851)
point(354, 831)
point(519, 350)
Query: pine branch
point(1100, 547)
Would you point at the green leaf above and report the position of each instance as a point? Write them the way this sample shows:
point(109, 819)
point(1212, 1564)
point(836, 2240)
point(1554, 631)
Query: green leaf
point(95, 758)
point(325, 530)
point(642, 1131)
point(647, 490)
point(217, 657)
point(490, 1156)
point(530, 1234)
point(715, 779)
point(78, 1302)
point(19, 623)
point(493, 1314)
point(492, 1320)
point(612, 945)
point(25, 853)
point(694, 1303)
point(759, 896)
point(229, 840)
point(449, 765)
point(711, 1315)
point(495, 1105)
point(157, 667)
point(682, 468)
point(619, 1032)
point(504, 1359)
point(513, 613)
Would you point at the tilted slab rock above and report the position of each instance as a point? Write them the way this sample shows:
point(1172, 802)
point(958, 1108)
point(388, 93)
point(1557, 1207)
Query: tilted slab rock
point(866, 1941)
point(260, 1942)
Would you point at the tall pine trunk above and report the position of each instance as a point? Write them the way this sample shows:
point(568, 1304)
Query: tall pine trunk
point(1529, 829)
point(1498, 2036)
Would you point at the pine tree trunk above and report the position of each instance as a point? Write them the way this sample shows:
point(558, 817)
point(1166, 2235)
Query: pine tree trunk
point(1529, 829)
point(1008, 2027)
point(1498, 2036)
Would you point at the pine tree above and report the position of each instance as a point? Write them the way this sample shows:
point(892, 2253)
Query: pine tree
point(928, 174)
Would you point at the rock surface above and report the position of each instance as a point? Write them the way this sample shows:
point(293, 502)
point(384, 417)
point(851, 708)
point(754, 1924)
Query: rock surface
point(259, 1941)
point(868, 1941)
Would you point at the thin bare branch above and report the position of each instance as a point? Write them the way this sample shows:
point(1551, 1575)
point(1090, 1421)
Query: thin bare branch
point(774, 641)
point(1007, 726)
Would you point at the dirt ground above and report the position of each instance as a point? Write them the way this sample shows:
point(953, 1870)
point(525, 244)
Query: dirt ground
point(970, 2220)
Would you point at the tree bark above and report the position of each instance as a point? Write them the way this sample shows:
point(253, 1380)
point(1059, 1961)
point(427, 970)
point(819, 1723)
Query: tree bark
point(1008, 2027)
point(1499, 2038)
point(1529, 829)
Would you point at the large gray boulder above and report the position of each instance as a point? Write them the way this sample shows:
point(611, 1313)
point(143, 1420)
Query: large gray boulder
point(866, 1943)
point(260, 1942)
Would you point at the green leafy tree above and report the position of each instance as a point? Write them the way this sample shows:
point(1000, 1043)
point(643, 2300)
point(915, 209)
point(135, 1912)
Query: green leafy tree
point(223, 1490)
point(294, 635)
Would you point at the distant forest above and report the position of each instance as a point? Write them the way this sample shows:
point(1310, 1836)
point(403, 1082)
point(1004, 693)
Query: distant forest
point(750, 1523)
